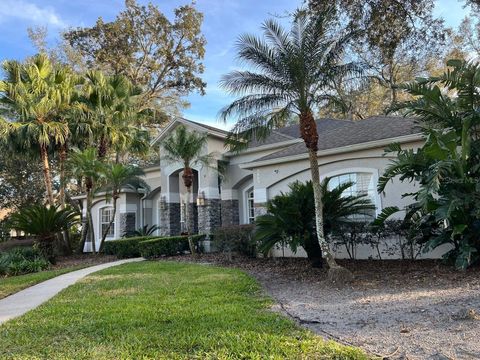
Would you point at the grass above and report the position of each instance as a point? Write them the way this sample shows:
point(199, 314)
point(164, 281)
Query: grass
point(13, 284)
point(163, 310)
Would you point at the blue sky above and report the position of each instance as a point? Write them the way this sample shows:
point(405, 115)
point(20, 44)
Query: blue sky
point(224, 21)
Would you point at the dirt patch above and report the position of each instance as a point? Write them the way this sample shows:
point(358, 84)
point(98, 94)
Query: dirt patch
point(400, 310)
point(82, 259)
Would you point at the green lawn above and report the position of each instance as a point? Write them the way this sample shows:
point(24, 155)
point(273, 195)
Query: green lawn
point(13, 284)
point(162, 310)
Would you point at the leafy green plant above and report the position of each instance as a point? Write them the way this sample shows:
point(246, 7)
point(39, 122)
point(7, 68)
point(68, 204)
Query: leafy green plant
point(291, 217)
point(447, 203)
point(44, 222)
point(143, 231)
point(167, 246)
point(19, 261)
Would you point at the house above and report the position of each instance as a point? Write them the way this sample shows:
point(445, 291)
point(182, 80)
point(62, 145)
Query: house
point(352, 150)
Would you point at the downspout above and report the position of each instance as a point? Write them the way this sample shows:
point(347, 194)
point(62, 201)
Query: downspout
point(142, 206)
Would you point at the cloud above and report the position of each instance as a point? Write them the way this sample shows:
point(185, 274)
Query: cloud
point(25, 10)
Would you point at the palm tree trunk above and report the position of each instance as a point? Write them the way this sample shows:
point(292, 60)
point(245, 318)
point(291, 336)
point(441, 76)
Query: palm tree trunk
point(309, 133)
point(90, 233)
point(62, 160)
point(188, 182)
point(104, 235)
point(187, 221)
point(47, 176)
point(317, 194)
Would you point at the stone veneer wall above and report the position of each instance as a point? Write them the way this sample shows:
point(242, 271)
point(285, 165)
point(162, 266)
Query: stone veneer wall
point(230, 212)
point(169, 218)
point(209, 216)
point(127, 223)
point(193, 217)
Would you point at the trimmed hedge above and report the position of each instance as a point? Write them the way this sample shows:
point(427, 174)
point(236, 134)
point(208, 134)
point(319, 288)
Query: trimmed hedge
point(125, 248)
point(166, 246)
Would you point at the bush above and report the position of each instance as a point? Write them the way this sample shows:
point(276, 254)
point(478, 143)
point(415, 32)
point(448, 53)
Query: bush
point(235, 238)
point(167, 246)
point(22, 261)
point(125, 248)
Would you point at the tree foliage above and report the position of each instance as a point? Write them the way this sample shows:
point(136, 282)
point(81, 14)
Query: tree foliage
point(398, 40)
point(162, 57)
point(446, 167)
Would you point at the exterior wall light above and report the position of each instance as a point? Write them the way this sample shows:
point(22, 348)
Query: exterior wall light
point(201, 199)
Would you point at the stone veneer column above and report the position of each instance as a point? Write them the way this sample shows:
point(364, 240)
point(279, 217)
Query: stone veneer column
point(230, 212)
point(127, 223)
point(169, 218)
point(209, 217)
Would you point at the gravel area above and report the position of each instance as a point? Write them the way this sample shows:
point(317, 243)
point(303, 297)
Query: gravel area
point(395, 309)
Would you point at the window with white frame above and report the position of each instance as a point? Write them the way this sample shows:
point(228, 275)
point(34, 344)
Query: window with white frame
point(250, 207)
point(363, 184)
point(106, 215)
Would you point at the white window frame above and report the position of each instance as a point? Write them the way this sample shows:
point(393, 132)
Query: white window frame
point(249, 205)
point(101, 222)
point(375, 175)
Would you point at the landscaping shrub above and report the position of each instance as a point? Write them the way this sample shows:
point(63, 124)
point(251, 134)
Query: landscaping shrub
point(22, 261)
point(125, 248)
point(235, 238)
point(167, 246)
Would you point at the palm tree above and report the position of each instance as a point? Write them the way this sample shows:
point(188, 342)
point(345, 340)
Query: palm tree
point(30, 97)
point(109, 103)
point(118, 177)
point(291, 217)
point(186, 147)
point(291, 73)
point(44, 222)
point(87, 169)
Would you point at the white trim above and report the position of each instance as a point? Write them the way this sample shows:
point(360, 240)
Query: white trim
point(246, 199)
point(186, 122)
point(255, 149)
point(332, 151)
point(100, 232)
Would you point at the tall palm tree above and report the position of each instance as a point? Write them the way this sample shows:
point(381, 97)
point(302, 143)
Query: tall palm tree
point(30, 95)
point(290, 75)
point(187, 147)
point(118, 177)
point(87, 169)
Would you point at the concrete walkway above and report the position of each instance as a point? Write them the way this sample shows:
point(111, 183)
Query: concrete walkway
point(25, 300)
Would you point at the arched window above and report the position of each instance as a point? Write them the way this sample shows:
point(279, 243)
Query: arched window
point(363, 184)
point(250, 206)
point(106, 215)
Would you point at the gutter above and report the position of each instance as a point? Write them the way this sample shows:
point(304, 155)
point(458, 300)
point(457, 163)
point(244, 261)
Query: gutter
point(333, 151)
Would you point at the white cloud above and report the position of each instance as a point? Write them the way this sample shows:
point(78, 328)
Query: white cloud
point(25, 10)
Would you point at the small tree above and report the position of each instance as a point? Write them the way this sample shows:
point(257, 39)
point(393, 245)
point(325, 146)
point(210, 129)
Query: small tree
point(291, 217)
point(187, 147)
point(45, 223)
point(118, 177)
point(85, 167)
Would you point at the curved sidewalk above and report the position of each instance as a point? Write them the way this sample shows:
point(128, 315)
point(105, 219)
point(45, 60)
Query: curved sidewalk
point(25, 300)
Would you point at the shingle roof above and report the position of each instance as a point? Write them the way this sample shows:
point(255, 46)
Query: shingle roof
point(293, 132)
point(352, 132)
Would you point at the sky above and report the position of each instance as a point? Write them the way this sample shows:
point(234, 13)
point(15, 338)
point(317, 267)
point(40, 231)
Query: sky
point(224, 21)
